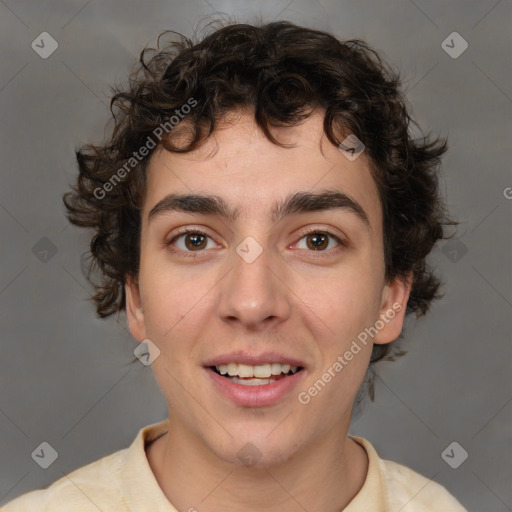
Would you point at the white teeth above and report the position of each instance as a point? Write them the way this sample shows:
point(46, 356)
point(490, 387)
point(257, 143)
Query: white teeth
point(275, 368)
point(245, 370)
point(251, 382)
point(260, 371)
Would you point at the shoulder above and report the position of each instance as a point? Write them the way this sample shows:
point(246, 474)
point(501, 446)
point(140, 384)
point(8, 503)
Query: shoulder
point(408, 490)
point(110, 483)
point(92, 487)
point(403, 489)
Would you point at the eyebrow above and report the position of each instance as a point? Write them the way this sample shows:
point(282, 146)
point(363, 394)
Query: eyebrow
point(295, 203)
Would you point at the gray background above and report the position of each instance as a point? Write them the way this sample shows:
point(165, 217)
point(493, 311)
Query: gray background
point(65, 376)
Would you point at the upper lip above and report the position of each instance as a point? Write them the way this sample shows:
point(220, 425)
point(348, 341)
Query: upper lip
point(252, 359)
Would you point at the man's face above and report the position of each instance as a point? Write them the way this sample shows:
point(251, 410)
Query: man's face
point(299, 287)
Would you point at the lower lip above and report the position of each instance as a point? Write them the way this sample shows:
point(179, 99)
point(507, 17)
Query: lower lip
point(255, 396)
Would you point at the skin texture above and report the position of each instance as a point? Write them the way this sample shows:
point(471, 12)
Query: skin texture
point(305, 303)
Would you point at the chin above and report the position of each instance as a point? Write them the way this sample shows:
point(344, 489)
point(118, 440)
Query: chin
point(253, 451)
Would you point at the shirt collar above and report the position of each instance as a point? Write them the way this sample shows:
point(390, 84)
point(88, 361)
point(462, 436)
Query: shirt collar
point(139, 485)
point(372, 494)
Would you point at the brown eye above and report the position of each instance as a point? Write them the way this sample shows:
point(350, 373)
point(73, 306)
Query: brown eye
point(320, 241)
point(195, 241)
point(191, 241)
point(317, 241)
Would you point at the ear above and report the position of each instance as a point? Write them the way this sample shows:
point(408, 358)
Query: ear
point(134, 312)
point(392, 312)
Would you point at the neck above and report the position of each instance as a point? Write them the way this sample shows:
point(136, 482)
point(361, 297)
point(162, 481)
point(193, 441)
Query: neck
point(325, 476)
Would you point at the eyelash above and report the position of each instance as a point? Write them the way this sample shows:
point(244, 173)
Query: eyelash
point(341, 243)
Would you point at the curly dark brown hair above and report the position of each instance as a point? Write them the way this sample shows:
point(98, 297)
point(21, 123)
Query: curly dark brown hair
point(281, 72)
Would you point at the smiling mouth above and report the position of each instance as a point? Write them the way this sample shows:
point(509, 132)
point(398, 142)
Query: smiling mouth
point(256, 381)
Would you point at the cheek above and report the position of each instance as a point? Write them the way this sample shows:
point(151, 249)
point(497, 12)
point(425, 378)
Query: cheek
point(168, 298)
point(342, 303)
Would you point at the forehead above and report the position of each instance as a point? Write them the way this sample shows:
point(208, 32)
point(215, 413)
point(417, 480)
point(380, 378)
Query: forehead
point(252, 174)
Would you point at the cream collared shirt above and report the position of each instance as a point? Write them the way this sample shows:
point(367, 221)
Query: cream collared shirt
point(124, 482)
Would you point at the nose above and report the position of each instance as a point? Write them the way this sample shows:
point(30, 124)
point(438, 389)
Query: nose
point(253, 294)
